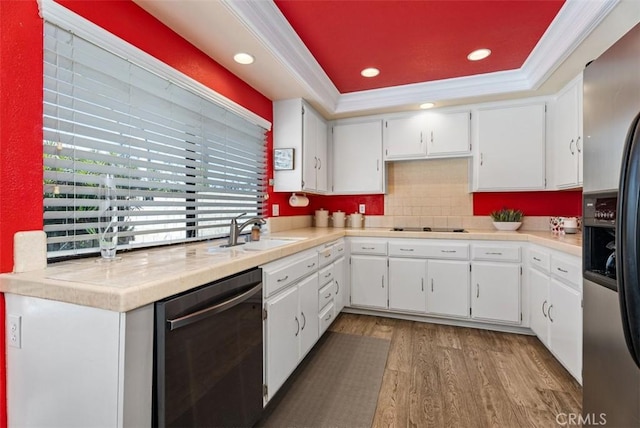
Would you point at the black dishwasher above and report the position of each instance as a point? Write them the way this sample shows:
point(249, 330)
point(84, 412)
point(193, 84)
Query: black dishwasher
point(208, 355)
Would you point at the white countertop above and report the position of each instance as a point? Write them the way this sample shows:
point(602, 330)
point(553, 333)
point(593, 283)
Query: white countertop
point(145, 276)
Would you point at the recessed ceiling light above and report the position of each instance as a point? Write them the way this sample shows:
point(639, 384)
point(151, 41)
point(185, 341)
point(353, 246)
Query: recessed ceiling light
point(427, 105)
point(243, 58)
point(370, 72)
point(479, 54)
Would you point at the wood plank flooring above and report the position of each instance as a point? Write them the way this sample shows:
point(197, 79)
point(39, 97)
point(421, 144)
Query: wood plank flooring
point(444, 376)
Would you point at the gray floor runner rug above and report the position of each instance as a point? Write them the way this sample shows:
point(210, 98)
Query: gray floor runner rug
point(336, 386)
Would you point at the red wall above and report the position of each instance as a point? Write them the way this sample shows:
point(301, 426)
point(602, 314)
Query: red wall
point(561, 203)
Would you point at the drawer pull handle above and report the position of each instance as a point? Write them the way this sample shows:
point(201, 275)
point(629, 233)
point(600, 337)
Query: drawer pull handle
point(406, 249)
point(304, 321)
point(283, 279)
point(432, 285)
point(422, 283)
point(563, 271)
point(494, 253)
point(328, 296)
point(337, 287)
point(311, 265)
point(327, 275)
point(328, 317)
point(448, 251)
point(327, 256)
point(297, 326)
point(549, 313)
point(368, 248)
point(477, 290)
point(537, 259)
point(543, 306)
point(382, 279)
point(341, 249)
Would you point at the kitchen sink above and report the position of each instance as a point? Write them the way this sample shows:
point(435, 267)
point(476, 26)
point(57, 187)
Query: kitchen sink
point(268, 243)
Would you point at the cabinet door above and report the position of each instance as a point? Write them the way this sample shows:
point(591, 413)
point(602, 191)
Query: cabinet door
point(448, 288)
point(322, 174)
point(369, 281)
point(308, 298)
point(309, 157)
point(495, 292)
point(357, 158)
point(342, 293)
point(407, 279)
point(565, 142)
point(565, 317)
point(448, 134)
point(511, 148)
point(404, 137)
point(539, 304)
point(283, 328)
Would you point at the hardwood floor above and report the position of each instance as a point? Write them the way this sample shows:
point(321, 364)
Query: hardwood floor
point(444, 376)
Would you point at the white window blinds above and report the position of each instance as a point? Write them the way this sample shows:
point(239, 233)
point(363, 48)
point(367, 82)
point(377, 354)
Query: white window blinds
point(182, 165)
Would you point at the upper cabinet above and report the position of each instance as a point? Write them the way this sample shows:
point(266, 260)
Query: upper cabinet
point(565, 142)
point(427, 135)
point(357, 157)
point(296, 125)
point(405, 137)
point(448, 134)
point(510, 147)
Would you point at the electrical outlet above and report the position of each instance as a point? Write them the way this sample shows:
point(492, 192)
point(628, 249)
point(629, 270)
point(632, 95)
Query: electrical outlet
point(275, 210)
point(361, 208)
point(14, 330)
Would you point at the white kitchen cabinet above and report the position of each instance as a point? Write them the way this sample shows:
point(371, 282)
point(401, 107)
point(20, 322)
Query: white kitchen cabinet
point(539, 301)
point(448, 134)
point(291, 329)
point(509, 152)
point(357, 162)
point(369, 283)
point(297, 125)
point(566, 140)
point(342, 290)
point(495, 292)
point(405, 137)
point(79, 366)
point(282, 330)
point(308, 301)
point(448, 288)
point(565, 320)
point(407, 278)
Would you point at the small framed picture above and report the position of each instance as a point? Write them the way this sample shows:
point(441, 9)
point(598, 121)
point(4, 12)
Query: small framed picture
point(282, 159)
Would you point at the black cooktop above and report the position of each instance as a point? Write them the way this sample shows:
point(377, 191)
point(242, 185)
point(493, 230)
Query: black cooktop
point(428, 229)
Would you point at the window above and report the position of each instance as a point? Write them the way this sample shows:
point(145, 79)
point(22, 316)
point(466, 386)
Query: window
point(182, 165)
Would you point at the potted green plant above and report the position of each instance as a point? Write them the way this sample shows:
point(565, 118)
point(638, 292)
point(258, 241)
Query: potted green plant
point(507, 219)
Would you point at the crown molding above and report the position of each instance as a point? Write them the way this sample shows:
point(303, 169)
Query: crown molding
point(575, 21)
point(267, 24)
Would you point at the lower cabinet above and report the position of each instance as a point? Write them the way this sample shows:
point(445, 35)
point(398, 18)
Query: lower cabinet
point(448, 288)
point(369, 284)
point(556, 306)
point(342, 291)
point(495, 292)
point(408, 277)
point(291, 329)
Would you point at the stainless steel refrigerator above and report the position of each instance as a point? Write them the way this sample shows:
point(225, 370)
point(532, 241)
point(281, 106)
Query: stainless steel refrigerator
point(611, 312)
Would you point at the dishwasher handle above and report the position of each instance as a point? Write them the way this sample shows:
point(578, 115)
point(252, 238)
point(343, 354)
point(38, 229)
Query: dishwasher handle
point(191, 318)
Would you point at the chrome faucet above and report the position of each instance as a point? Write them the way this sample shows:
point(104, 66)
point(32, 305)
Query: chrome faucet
point(234, 229)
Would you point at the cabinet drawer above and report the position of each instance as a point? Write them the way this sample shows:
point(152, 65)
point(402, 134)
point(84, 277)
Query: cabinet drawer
point(421, 249)
point(281, 276)
point(326, 318)
point(325, 255)
point(369, 247)
point(568, 271)
point(326, 275)
point(539, 260)
point(496, 252)
point(325, 295)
